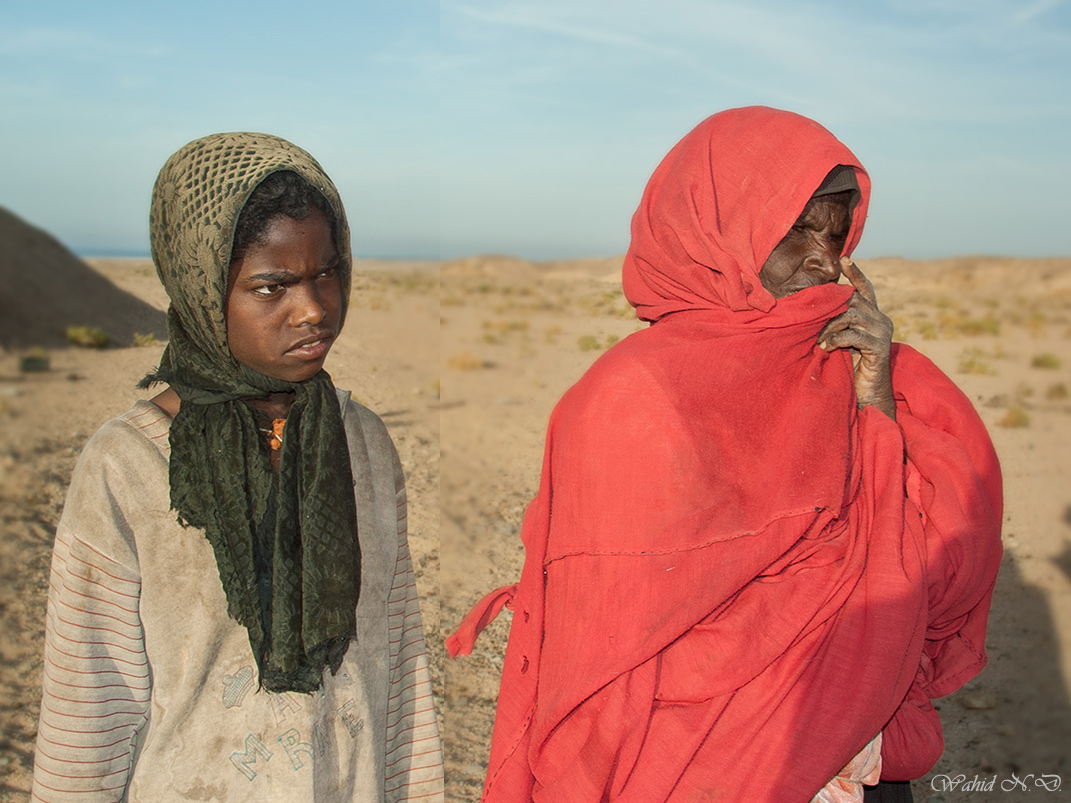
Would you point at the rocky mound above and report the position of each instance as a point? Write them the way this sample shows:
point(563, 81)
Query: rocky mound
point(44, 288)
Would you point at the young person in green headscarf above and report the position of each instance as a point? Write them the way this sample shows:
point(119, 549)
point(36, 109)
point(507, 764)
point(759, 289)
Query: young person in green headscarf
point(232, 613)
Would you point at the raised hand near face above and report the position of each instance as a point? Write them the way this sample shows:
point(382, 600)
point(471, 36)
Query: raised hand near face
point(867, 331)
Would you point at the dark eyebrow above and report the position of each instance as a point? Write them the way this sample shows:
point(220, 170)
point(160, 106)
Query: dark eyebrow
point(276, 277)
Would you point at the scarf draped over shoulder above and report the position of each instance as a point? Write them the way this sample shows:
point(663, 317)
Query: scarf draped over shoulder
point(286, 545)
point(734, 578)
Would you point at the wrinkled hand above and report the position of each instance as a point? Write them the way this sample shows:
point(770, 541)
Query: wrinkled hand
point(867, 331)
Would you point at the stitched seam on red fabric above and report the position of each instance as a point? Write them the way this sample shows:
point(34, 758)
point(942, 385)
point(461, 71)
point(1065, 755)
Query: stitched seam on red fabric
point(512, 749)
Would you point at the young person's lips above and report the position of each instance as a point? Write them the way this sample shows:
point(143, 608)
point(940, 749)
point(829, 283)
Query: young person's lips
point(312, 348)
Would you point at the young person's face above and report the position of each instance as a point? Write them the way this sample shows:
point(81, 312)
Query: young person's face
point(284, 299)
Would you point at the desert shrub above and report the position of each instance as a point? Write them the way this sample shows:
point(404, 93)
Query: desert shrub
point(963, 325)
point(88, 337)
point(988, 325)
point(1046, 360)
point(464, 361)
point(502, 327)
point(974, 361)
point(1057, 392)
point(1036, 323)
point(35, 360)
point(1015, 417)
point(927, 329)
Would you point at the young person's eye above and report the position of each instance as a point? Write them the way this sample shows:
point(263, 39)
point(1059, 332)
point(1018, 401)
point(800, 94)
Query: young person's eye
point(328, 273)
point(267, 290)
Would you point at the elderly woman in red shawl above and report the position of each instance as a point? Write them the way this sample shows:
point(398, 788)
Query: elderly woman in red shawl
point(766, 536)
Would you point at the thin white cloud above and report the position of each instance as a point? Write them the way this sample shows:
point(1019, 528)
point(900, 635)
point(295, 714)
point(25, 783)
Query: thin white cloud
point(545, 18)
point(943, 61)
point(33, 41)
point(1034, 10)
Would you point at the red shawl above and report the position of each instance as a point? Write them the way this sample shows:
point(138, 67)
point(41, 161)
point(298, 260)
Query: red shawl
point(734, 579)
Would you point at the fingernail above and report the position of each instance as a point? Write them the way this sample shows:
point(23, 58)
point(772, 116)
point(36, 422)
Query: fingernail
point(822, 344)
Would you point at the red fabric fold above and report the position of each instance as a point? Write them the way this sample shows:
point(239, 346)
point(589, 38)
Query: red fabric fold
point(734, 579)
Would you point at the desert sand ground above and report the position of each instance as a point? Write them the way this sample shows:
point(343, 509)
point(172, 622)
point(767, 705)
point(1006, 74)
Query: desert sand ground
point(506, 338)
point(515, 335)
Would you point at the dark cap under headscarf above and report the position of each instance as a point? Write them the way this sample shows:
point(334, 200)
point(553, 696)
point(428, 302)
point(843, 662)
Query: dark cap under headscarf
point(840, 179)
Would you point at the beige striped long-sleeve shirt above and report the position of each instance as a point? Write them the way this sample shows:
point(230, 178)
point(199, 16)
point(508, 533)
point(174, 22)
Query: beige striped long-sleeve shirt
point(150, 689)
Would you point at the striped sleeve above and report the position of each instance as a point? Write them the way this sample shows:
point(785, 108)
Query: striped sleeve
point(95, 690)
point(414, 760)
point(95, 685)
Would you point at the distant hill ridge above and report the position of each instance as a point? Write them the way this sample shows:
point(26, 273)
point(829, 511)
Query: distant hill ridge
point(44, 288)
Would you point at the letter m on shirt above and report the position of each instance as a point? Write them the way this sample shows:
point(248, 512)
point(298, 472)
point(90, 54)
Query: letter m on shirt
point(243, 762)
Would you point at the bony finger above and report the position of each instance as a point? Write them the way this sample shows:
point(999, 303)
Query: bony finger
point(837, 324)
point(827, 341)
point(854, 274)
point(846, 338)
point(830, 339)
point(858, 279)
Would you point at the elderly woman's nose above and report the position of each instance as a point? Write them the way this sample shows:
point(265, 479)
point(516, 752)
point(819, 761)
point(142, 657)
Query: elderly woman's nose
point(824, 259)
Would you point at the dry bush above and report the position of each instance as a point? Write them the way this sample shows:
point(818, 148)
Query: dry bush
point(464, 361)
point(88, 337)
point(1047, 361)
point(1015, 417)
point(1036, 323)
point(975, 361)
point(962, 325)
point(928, 330)
point(1057, 392)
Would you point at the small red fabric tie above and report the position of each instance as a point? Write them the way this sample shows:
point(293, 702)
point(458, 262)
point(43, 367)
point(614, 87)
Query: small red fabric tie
point(481, 615)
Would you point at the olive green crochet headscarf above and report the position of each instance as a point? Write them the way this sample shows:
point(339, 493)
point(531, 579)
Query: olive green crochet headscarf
point(286, 544)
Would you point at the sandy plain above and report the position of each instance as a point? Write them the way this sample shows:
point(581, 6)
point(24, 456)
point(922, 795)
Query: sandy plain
point(465, 361)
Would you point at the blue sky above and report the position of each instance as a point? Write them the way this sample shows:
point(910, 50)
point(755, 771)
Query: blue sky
point(470, 126)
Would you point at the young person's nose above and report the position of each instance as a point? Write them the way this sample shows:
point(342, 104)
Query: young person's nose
point(309, 306)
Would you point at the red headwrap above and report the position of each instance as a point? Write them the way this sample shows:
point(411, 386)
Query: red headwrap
point(734, 578)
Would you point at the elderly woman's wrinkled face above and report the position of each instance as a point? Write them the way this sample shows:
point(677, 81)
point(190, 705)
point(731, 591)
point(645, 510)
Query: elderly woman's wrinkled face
point(809, 254)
